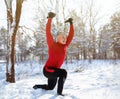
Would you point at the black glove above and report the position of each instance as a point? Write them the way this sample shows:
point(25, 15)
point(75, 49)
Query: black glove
point(51, 15)
point(70, 20)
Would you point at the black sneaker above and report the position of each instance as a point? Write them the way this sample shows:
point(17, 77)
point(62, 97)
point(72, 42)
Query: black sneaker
point(61, 94)
point(35, 87)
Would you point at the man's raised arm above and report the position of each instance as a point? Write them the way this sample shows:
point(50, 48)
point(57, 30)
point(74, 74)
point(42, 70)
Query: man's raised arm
point(49, 36)
point(71, 31)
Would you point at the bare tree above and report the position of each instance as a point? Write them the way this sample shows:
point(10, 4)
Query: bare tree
point(12, 24)
point(115, 29)
point(92, 15)
point(104, 42)
point(109, 39)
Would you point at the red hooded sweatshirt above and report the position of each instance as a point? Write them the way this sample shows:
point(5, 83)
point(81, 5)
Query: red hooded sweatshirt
point(56, 51)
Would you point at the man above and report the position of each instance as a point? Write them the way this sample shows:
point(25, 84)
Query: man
point(57, 51)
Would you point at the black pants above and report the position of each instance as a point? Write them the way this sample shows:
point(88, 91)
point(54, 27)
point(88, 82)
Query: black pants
point(61, 74)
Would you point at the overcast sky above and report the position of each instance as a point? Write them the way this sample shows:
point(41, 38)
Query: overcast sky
point(107, 7)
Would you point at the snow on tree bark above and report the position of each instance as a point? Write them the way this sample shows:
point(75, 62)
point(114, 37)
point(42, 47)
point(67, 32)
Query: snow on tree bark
point(12, 30)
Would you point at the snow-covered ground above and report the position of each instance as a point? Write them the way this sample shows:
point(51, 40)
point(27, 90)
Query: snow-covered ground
point(97, 80)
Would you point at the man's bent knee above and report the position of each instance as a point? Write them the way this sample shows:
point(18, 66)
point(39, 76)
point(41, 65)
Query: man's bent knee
point(64, 73)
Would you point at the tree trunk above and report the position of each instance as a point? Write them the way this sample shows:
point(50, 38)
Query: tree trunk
point(10, 75)
point(9, 22)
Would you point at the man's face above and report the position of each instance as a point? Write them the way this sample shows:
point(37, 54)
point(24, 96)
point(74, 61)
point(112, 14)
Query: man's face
point(61, 38)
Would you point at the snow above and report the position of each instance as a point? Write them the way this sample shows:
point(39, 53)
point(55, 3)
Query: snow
point(96, 80)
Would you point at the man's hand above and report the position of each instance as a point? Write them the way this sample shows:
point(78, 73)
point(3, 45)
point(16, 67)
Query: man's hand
point(51, 15)
point(70, 20)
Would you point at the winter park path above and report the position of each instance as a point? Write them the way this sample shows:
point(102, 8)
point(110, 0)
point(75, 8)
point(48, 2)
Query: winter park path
point(96, 82)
